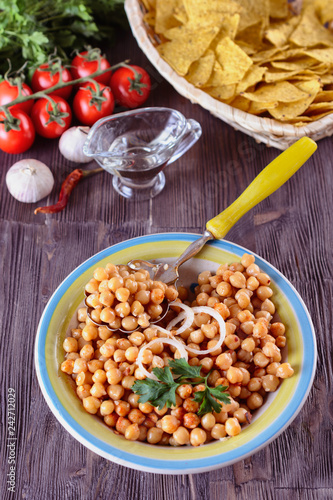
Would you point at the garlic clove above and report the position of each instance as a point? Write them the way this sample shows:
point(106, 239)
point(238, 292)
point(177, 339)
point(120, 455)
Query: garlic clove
point(71, 144)
point(29, 180)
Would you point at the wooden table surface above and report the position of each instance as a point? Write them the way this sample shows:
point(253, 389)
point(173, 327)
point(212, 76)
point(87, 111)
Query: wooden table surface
point(292, 230)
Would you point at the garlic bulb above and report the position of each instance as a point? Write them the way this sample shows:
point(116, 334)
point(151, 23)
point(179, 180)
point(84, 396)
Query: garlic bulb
point(29, 180)
point(71, 144)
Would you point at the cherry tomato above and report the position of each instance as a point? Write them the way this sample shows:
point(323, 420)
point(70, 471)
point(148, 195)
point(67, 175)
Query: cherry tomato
point(17, 141)
point(86, 63)
point(130, 87)
point(42, 112)
point(9, 92)
point(48, 75)
point(92, 102)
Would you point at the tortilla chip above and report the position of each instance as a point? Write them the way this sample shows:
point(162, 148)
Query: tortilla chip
point(233, 60)
point(327, 79)
point(228, 28)
point(223, 92)
point(305, 75)
point(253, 54)
point(296, 64)
point(321, 107)
point(289, 110)
point(279, 76)
point(324, 96)
point(258, 108)
point(253, 34)
point(193, 48)
point(241, 103)
point(201, 70)
point(324, 10)
point(279, 33)
point(278, 8)
point(253, 11)
point(179, 13)
point(199, 8)
point(282, 92)
point(264, 56)
point(164, 15)
point(215, 79)
point(253, 75)
point(323, 55)
point(310, 31)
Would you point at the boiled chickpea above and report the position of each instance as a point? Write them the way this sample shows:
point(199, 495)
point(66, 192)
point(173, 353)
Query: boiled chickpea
point(254, 401)
point(218, 431)
point(122, 408)
point(115, 392)
point(197, 437)
point(284, 371)
point(111, 420)
point(169, 424)
point(208, 421)
point(232, 427)
point(182, 436)
point(99, 376)
point(83, 391)
point(154, 435)
point(91, 404)
point(122, 424)
point(114, 376)
point(107, 407)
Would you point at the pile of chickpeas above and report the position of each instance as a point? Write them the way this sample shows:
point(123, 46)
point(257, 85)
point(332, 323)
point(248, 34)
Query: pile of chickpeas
point(249, 363)
point(124, 298)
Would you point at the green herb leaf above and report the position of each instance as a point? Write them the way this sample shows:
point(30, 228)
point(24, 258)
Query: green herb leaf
point(157, 393)
point(220, 394)
point(162, 392)
point(208, 403)
point(149, 389)
point(164, 375)
point(30, 30)
point(181, 367)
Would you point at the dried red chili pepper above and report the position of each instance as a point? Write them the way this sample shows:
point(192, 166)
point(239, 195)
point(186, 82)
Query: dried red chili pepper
point(67, 187)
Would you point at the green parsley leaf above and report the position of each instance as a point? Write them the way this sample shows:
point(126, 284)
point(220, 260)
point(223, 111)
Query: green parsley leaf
point(181, 367)
point(149, 389)
point(157, 393)
point(208, 403)
point(164, 375)
point(219, 393)
point(162, 392)
point(30, 30)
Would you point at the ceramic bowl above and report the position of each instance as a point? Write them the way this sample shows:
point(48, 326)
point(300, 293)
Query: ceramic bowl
point(279, 410)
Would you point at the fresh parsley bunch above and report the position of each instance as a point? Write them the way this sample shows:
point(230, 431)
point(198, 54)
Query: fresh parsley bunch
point(30, 30)
point(162, 392)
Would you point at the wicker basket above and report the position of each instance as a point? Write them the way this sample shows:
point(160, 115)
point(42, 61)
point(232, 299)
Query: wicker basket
point(267, 130)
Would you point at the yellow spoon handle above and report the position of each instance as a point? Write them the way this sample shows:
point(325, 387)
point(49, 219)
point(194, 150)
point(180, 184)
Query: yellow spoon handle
point(268, 181)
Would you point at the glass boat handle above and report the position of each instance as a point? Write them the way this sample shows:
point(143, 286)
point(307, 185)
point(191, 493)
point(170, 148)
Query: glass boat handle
point(190, 137)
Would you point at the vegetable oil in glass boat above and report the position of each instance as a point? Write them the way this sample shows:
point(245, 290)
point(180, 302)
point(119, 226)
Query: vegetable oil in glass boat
point(135, 147)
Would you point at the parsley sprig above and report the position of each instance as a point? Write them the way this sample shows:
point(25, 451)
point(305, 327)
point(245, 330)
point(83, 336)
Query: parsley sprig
point(162, 392)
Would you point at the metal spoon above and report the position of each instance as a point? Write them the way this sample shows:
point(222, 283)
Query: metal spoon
point(269, 180)
point(164, 305)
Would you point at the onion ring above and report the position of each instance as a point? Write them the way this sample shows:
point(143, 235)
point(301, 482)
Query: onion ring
point(175, 343)
point(212, 312)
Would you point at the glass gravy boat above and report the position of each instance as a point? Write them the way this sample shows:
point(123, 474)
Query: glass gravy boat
point(136, 145)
